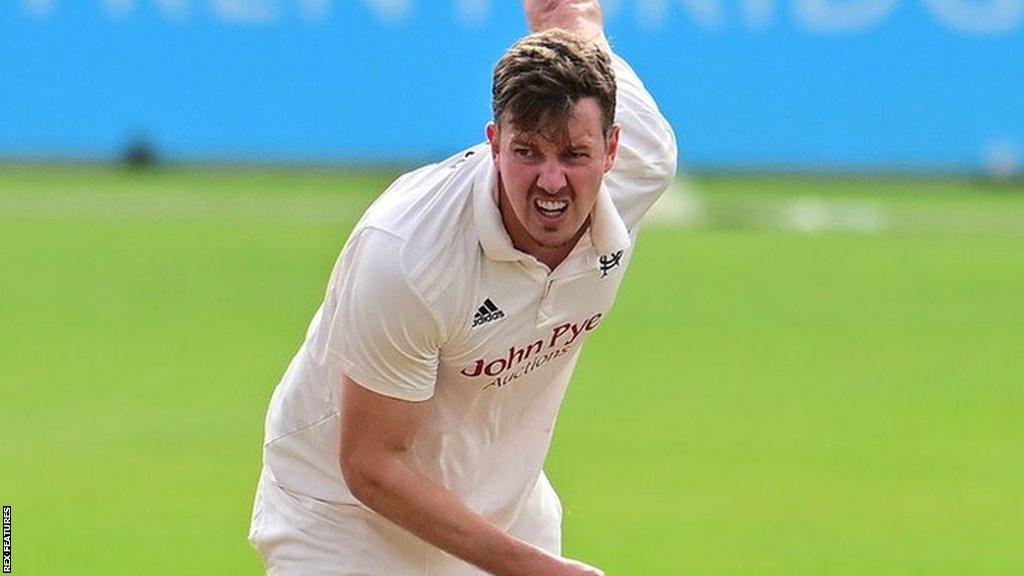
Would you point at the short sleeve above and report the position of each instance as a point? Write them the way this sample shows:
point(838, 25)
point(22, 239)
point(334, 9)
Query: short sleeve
point(377, 324)
point(646, 162)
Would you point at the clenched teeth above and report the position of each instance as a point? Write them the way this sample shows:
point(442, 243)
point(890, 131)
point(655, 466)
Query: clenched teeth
point(552, 205)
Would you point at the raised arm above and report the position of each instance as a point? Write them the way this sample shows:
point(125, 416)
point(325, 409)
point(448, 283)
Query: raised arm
point(645, 165)
point(583, 17)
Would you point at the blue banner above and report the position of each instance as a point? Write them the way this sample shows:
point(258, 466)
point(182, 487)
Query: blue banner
point(748, 84)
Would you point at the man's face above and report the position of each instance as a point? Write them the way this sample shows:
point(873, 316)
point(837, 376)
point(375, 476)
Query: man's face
point(549, 180)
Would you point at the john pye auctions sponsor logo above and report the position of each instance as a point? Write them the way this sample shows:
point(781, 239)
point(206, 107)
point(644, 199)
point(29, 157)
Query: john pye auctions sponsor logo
point(523, 360)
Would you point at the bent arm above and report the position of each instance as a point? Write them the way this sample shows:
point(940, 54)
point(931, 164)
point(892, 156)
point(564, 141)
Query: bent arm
point(377, 433)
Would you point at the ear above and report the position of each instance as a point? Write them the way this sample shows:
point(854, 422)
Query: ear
point(494, 139)
point(612, 148)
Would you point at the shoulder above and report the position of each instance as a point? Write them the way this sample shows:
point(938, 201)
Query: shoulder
point(432, 193)
point(422, 229)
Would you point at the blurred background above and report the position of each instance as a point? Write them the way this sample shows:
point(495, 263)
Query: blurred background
point(923, 86)
point(815, 367)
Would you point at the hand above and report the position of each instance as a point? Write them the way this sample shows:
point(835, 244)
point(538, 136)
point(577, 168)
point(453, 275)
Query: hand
point(581, 16)
point(574, 568)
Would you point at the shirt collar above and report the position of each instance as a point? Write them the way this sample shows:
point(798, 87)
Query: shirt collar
point(607, 233)
point(490, 230)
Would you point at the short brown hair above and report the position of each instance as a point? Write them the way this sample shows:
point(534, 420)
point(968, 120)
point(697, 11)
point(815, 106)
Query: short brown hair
point(542, 76)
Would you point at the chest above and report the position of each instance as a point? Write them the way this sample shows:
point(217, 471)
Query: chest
point(526, 320)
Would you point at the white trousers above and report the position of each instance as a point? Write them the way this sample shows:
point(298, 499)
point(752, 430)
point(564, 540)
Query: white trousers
point(298, 535)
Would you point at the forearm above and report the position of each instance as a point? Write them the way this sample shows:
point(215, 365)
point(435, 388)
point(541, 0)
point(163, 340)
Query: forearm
point(413, 501)
point(583, 17)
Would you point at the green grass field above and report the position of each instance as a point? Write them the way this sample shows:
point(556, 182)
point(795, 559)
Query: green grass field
point(801, 376)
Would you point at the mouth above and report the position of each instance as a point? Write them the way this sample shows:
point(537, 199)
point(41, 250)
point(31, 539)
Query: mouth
point(551, 209)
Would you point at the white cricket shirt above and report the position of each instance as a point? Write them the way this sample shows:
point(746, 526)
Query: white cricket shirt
point(429, 301)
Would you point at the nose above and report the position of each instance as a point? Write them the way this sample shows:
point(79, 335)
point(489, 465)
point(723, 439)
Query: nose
point(551, 177)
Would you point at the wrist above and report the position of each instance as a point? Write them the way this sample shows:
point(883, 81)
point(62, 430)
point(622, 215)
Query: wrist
point(524, 559)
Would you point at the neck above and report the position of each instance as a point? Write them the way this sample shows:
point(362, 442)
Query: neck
point(551, 256)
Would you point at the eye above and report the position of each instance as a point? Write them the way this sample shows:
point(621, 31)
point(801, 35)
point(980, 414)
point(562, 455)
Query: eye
point(578, 154)
point(522, 152)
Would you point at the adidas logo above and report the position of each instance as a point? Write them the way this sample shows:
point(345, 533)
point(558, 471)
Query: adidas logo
point(488, 312)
